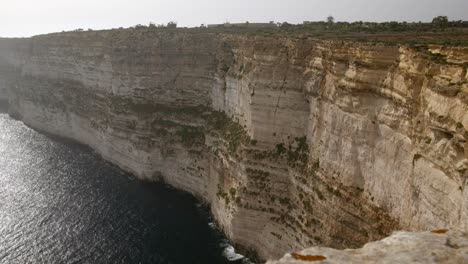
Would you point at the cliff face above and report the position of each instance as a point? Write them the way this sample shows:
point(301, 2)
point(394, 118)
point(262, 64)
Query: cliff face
point(7, 69)
point(293, 142)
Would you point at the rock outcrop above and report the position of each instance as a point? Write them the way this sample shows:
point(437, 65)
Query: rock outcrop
point(401, 247)
point(293, 142)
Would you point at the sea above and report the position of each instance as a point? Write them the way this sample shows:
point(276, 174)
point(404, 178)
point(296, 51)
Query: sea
point(60, 202)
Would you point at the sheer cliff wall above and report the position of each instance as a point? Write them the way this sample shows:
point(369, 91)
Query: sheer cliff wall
point(293, 142)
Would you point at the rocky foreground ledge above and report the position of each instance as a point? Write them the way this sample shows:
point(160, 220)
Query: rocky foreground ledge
point(439, 246)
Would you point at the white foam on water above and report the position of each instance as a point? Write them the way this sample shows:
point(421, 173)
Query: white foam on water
point(230, 253)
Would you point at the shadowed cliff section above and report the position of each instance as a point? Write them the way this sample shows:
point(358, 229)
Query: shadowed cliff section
point(292, 141)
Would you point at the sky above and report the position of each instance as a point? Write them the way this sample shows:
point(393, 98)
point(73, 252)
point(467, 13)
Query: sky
point(21, 18)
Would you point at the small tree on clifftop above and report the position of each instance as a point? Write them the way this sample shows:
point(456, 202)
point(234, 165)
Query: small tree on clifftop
point(440, 20)
point(172, 24)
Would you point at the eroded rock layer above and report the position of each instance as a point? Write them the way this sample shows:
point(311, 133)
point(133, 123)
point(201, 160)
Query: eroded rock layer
point(292, 141)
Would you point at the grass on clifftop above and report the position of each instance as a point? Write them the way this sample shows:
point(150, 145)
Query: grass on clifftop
point(451, 33)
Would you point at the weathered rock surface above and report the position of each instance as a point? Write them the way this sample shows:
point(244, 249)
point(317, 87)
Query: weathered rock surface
point(401, 247)
point(292, 142)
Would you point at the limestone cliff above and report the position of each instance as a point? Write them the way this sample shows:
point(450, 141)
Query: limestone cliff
point(292, 141)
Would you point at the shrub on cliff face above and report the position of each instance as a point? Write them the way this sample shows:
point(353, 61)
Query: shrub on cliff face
point(232, 132)
point(299, 152)
point(295, 153)
point(280, 149)
point(190, 135)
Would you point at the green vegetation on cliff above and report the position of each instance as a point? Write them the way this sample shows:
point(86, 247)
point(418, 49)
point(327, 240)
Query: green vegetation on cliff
point(231, 131)
point(233, 134)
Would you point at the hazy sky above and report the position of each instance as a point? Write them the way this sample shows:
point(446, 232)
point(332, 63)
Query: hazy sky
point(31, 17)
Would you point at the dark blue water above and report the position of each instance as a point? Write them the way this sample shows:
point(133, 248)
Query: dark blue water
point(61, 203)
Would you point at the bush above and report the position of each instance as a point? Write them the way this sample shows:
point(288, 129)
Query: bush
point(172, 24)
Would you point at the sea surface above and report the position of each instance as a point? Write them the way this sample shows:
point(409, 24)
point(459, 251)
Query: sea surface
point(62, 203)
